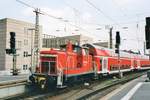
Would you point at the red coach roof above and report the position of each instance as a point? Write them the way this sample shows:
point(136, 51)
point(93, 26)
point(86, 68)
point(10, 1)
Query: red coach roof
point(98, 50)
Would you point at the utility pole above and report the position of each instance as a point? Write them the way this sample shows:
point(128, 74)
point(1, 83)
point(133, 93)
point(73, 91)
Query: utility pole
point(37, 40)
point(110, 38)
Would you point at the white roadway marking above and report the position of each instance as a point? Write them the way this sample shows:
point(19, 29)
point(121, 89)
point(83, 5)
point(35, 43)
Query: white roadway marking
point(132, 91)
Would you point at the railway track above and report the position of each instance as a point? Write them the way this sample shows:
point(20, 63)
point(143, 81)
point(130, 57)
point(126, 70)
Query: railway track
point(108, 87)
point(79, 91)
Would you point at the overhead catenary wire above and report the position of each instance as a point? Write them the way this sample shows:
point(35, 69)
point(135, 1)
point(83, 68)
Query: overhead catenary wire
point(58, 18)
point(101, 11)
point(67, 4)
point(25, 4)
point(62, 19)
point(70, 22)
point(77, 13)
point(51, 16)
point(36, 8)
point(103, 25)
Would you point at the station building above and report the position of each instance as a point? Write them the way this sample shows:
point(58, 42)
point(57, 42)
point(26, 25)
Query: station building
point(24, 37)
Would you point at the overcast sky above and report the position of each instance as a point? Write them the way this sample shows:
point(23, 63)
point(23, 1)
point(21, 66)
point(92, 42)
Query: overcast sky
point(85, 17)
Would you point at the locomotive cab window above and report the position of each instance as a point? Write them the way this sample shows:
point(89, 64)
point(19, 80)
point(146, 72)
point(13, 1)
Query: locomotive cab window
point(45, 67)
point(48, 67)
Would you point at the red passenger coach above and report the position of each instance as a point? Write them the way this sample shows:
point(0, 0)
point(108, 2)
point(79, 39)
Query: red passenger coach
point(71, 62)
point(108, 62)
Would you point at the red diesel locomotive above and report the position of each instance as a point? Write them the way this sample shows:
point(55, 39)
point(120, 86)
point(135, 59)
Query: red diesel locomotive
point(59, 66)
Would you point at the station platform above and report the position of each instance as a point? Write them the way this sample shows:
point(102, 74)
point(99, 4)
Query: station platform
point(5, 79)
point(12, 85)
point(137, 89)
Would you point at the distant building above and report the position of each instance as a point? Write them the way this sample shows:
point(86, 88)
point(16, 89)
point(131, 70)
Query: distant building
point(24, 43)
point(51, 41)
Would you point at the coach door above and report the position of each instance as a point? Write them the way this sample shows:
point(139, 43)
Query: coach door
point(104, 65)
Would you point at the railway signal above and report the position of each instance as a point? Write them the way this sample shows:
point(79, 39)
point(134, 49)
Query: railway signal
point(12, 51)
point(12, 40)
point(8, 51)
point(147, 32)
point(117, 42)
